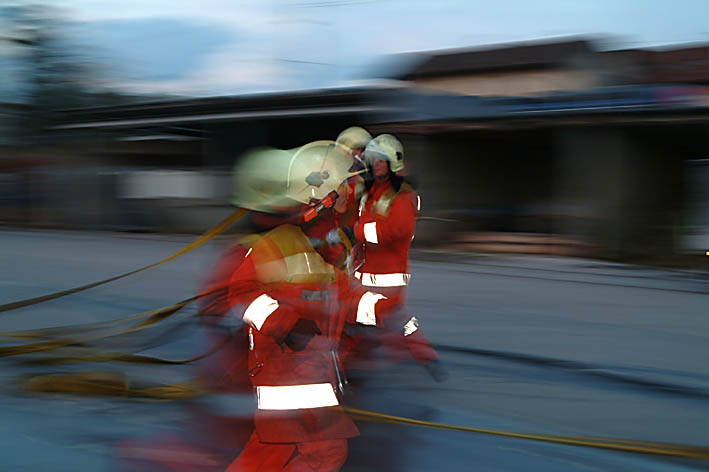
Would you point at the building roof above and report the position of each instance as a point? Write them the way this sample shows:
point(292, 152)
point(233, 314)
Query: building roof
point(512, 56)
point(677, 65)
point(203, 110)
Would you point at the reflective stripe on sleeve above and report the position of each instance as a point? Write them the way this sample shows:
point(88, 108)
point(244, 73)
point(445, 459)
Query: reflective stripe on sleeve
point(296, 397)
point(383, 280)
point(365, 309)
point(370, 233)
point(260, 309)
point(411, 326)
point(362, 203)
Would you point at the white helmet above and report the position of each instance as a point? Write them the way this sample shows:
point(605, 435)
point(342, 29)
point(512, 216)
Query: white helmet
point(354, 138)
point(274, 180)
point(388, 147)
point(317, 169)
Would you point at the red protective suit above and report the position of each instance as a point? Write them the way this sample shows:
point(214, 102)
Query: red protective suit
point(355, 190)
point(290, 297)
point(225, 370)
point(386, 226)
point(209, 443)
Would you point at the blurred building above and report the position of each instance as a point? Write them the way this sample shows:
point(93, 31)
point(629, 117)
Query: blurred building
point(556, 146)
point(511, 70)
point(681, 65)
point(553, 147)
point(165, 165)
point(532, 68)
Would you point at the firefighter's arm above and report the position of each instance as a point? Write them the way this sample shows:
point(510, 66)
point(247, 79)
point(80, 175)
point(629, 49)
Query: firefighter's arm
point(271, 317)
point(280, 321)
point(398, 223)
point(258, 304)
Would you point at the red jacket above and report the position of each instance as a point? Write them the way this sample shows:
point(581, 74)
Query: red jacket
point(355, 189)
point(386, 226)
point(283, 282)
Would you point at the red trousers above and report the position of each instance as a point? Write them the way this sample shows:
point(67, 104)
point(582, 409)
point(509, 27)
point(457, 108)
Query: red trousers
point(391, 313)
point(314, 456)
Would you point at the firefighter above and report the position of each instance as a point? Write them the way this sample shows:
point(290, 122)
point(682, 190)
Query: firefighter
point(332, 233)
point(355, 140)
point(289, 297)
point(385, 224)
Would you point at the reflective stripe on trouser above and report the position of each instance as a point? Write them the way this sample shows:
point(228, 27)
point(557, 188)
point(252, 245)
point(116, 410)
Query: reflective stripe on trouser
point(366, 308)
point(296, 397)
point(411, 326)
point(383, 280)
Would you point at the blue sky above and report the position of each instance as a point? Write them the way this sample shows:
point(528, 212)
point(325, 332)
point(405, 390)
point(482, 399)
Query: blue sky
point(212, 47)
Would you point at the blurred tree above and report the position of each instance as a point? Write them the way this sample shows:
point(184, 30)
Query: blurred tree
point(53, 72)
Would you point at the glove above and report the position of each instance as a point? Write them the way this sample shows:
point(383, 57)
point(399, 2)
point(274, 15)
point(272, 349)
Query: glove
point(437, 371)
point(333, 237)
point(315, 242)
point(301, 334)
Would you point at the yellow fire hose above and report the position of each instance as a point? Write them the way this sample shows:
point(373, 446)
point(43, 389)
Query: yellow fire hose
point(151, 316)
point(209, 234)
point(125, 358)
point(111, 384)
point(117, 385)
point(626, 445)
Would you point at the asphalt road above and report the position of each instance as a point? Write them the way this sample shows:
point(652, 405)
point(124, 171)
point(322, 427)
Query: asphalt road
point(533, 345)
